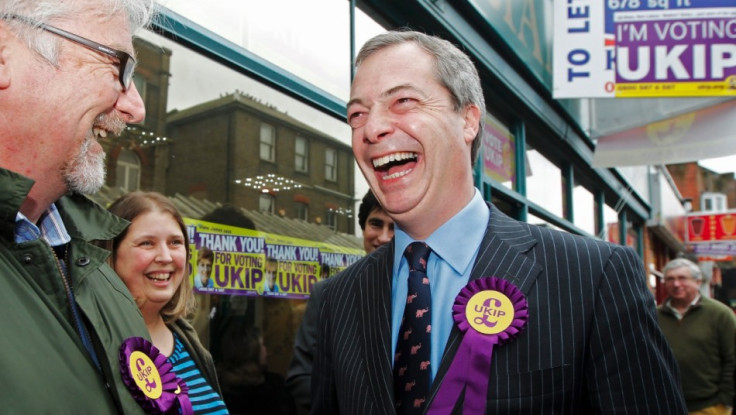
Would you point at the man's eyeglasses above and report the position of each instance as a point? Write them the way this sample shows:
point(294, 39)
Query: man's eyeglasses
point(681, 279)
point(126, 63)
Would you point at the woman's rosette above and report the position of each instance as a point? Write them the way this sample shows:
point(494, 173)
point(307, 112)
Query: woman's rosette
point(149, 378)
point(488, 311)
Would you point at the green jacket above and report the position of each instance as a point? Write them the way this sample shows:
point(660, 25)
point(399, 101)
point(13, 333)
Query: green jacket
point(703, 344)
point(44, 368)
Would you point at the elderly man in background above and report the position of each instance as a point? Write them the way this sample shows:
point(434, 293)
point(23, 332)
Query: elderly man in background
point(65, 82)
point(701, 332)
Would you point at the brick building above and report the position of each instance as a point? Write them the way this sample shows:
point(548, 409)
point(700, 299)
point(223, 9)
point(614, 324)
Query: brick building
point(241, 151)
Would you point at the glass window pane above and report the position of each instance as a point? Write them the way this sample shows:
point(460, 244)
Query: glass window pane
point(331, 164)
point(278, 31)
point(331, 219)
point(301, 154)
point(268, 142)
point(266, 204)
point(544, 182)
point(133, 179)
point(302, 211)
point(638, 179)
point(584, 209)
point(127, 170)
point(610, 218)
point(121, 176)
point(631, 235)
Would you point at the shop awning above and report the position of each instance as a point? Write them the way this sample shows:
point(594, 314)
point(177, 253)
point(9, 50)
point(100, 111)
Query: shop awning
point(702, 134)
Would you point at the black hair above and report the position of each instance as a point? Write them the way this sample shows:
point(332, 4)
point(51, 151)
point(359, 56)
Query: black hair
point(367, 205)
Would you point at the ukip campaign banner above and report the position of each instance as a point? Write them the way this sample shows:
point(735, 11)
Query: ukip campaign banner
point(236, 261)
point(644, 48)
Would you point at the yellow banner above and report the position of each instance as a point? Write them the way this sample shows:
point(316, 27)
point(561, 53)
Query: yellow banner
point(230, 260)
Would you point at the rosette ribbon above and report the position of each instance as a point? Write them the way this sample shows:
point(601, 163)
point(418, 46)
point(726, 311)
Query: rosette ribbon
point(488, 311)
point(150, 379)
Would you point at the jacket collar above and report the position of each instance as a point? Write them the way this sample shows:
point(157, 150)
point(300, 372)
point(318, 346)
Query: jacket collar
point(83, 218)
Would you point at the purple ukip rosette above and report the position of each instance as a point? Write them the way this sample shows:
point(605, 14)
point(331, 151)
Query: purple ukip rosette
point(488, 311)
point(149, 378)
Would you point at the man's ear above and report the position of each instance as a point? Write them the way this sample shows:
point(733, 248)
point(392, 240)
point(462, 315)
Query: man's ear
point(5, 37)
point(472, 122)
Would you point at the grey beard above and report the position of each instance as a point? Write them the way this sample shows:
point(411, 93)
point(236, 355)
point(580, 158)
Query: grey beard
point(85, 173)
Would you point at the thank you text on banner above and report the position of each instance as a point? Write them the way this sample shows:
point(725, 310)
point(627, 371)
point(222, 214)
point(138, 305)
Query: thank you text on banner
point(247, 262)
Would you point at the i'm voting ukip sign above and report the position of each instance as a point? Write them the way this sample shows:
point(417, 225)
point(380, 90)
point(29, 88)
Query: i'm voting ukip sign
point(644, 48)
point(230, 260)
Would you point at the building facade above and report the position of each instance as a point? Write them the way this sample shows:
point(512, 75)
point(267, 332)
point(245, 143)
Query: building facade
point(240, 151)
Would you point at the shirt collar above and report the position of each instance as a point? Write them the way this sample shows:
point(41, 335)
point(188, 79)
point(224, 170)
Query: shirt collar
point(692, 304)
point(468, 225)
point(51, 228)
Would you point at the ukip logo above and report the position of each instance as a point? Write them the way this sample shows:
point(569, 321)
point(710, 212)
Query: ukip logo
point(489, 312)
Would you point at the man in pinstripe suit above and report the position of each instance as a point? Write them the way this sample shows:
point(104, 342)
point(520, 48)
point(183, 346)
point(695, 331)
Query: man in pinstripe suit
point(591, 343)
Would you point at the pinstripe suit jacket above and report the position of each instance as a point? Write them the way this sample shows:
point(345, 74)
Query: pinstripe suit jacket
point(592, 343)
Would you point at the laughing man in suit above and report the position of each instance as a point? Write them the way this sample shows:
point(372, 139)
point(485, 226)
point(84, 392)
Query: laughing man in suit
point(591, 342)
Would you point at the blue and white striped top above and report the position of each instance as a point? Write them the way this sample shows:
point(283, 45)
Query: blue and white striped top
point(205, 400)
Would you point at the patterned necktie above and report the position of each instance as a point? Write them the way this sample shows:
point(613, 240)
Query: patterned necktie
point(411, 362)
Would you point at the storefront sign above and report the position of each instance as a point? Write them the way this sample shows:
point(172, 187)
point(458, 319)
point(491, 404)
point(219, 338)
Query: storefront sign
point(715, 258)
point(644, 48)
point(714, 227)
point(713, 250)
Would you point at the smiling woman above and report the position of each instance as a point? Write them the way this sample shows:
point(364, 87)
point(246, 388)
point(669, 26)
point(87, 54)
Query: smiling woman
point(151, 259)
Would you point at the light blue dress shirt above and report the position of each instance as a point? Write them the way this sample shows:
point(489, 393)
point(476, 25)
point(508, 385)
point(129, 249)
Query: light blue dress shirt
point(454, 249)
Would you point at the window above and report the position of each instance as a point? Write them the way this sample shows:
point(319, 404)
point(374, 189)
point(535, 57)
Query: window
point(266, 203)
point(610, 218)
point(301, 154)
point(584, 209)
point(268, 142)
point(543, 182)
point(331, 164)
point(713, 202)
point(128, 171)
point(331, 221)
point(302, 211)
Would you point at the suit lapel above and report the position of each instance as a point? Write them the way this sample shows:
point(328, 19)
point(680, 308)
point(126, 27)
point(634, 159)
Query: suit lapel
point(375, 318)
point(502, 254)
